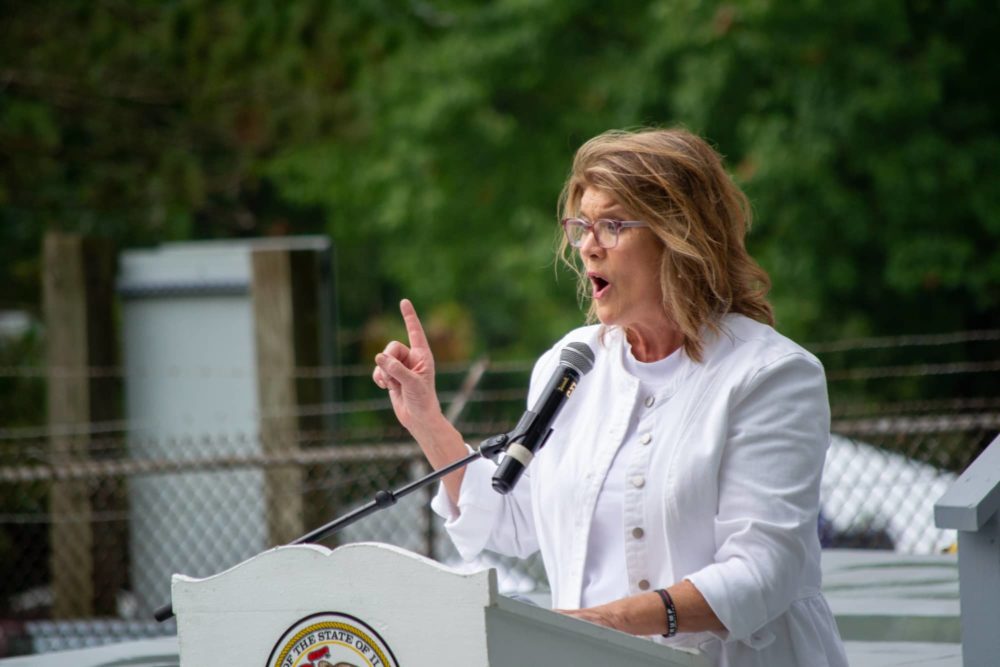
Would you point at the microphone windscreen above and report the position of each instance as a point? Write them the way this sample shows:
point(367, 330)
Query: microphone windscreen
point(578, 356)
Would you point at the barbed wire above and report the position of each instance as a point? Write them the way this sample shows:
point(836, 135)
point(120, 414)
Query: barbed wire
point(41, 453)
point(81, 470)
point(918, 340)
point(197, 455)
point(513, 366)
point(238, 373)
point(90, 429)
point(492, 396)
point(911, 425)
point(915, 370)
point(934, 406)
point(45, 517)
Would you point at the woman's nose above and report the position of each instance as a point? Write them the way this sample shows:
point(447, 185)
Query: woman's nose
point(589, 245)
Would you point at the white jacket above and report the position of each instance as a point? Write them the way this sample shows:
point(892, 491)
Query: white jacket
point(726, 490)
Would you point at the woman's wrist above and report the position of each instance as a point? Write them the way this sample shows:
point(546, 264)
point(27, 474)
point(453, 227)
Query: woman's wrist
point(426, 427)
point(640, 614)
point(670, 610)
point(439, 439)
point(442, 444)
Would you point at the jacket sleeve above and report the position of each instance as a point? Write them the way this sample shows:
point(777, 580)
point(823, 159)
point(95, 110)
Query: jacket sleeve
point(769, 480)
point(485, 519)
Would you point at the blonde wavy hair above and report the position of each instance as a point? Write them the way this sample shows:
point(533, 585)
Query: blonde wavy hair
point(675, 182)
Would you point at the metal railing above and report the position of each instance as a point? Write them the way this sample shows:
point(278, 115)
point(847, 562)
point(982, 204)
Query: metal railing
point(972, 507)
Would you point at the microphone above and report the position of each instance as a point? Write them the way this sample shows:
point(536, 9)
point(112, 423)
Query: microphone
point(531, 432)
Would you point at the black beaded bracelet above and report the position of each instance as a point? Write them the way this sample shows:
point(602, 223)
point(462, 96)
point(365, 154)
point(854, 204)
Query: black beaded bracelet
point(668, 602)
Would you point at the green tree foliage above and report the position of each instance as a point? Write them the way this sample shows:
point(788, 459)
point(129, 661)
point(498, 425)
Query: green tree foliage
point(148, 122)
point(430, 141)
point(866, 135)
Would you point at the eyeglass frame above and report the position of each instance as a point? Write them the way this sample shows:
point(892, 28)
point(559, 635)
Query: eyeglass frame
point(616, 225)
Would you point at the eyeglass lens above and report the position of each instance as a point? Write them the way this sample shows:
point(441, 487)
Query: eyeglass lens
point(605, 233)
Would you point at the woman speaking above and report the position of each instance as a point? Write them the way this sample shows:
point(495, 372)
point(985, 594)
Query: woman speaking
point(678, 494)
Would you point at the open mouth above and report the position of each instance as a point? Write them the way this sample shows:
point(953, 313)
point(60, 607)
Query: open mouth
point(600, 285)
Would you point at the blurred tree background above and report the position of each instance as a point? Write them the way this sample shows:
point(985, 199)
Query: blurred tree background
point(430, 139)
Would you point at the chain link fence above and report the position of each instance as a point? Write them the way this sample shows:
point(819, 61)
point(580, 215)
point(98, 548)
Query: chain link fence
point(94, 518)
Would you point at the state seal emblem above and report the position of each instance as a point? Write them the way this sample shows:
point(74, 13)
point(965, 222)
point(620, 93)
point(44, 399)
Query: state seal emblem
point(331, 639)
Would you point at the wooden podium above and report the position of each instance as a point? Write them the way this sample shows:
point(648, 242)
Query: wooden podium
point(374, 605)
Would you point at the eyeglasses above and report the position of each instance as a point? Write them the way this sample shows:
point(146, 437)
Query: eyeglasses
point(605, 230)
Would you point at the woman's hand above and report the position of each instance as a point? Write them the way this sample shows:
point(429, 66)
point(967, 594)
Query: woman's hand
point(604, 614)
point(408, 374)
point(644, 613)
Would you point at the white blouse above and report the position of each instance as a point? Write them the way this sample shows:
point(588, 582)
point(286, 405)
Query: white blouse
point(604, 578)
point(721, 487)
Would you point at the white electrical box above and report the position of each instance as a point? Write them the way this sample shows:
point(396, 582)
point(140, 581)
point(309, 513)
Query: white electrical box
point(191, 395)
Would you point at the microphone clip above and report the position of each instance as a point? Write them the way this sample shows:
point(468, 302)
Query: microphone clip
point(490, 448)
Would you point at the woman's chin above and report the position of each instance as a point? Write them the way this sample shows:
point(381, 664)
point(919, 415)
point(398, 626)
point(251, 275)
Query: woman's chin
point(605, 315)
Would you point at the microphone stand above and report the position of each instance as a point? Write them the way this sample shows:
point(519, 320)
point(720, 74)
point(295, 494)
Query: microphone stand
point(488, 448)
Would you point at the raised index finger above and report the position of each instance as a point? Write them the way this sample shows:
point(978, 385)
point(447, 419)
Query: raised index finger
point(414, 329)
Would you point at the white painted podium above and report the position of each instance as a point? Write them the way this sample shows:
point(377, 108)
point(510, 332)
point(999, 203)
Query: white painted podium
point(374, 605)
